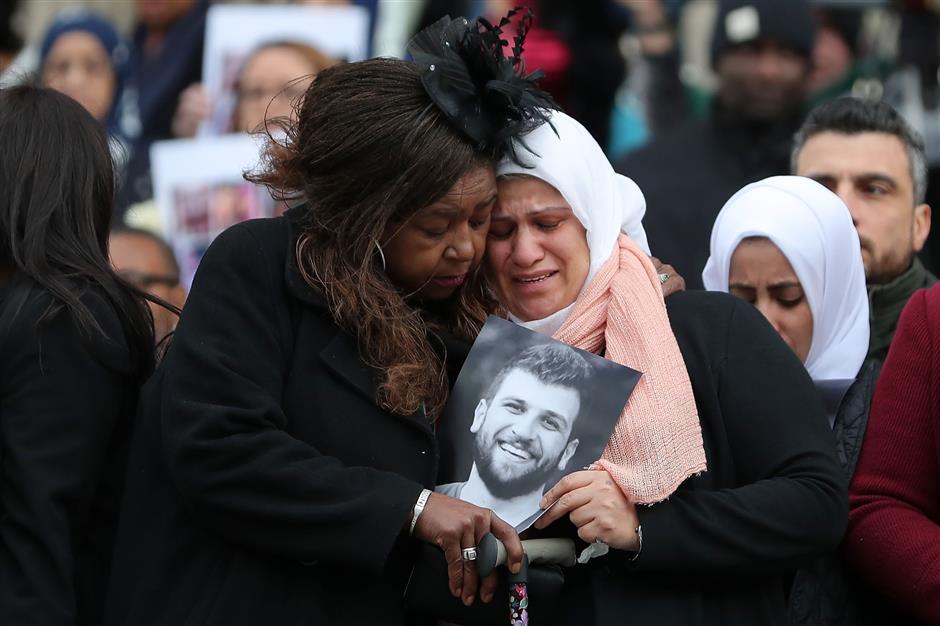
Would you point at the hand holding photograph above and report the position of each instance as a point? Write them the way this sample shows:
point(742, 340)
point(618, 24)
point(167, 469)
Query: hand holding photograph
point(525, 411)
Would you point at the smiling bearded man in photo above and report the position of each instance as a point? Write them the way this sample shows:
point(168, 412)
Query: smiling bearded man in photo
point(524, 431)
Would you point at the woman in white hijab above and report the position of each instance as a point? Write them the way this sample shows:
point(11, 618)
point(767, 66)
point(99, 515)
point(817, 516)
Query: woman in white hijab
point(788, 245)
point(718, 441)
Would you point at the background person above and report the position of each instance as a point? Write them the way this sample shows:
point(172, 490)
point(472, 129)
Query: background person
point(788, 246)
point(144, 260)
point(167, 47)
point(761, 51)
point(77, 343)
point(83, 56)
point(893, 539)
point(874, 161)
point(286, 442)
point(720, 391)
point(272, 78)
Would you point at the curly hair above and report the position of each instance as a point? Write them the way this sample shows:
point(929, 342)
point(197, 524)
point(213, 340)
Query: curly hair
point(369, 149)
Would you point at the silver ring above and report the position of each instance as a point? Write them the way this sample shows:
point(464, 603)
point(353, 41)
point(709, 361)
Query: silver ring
point(469, 554)
point(663, 278)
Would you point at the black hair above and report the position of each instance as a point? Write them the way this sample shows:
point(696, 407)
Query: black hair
point(55, 211)
point(370, 149)
point(852, 116)
point(557, 365)
point(551, 364)
point(10, 41)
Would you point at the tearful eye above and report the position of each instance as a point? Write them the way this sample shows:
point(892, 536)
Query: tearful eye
point(500, 232)
point(744, 294)
point(791, 302)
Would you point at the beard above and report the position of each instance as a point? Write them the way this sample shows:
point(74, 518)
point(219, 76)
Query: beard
point(886, 267)
point(509, 487)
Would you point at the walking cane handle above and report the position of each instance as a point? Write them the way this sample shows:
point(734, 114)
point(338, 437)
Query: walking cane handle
point(557, 551)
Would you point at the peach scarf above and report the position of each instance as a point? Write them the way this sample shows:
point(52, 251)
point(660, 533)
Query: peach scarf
point(657, 442)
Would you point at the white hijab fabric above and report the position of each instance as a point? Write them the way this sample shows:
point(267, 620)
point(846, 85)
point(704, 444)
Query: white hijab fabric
point(814, 230)
point(605, 202)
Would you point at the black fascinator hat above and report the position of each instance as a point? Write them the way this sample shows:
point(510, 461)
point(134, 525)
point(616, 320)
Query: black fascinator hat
point(483, 91)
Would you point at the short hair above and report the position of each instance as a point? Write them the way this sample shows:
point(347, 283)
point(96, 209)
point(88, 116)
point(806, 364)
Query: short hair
point(551, 364)
point(169, 257)
point(852, 116)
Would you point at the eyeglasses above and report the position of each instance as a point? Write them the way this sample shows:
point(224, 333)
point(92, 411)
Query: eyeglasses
point(145, 281)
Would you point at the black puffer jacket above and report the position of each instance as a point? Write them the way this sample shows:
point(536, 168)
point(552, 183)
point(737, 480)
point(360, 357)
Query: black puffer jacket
point(825, 594)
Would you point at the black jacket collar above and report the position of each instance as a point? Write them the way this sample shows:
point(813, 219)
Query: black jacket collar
point(341, 354)
point(296, 284)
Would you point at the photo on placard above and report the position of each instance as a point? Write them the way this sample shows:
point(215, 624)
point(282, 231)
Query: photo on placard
point(192, 208)
point(525, 411)
point(200, 190)
point(235, 34)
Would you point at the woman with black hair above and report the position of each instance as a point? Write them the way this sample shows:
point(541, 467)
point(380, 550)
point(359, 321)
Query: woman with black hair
point(76, 343)
point(282, 465)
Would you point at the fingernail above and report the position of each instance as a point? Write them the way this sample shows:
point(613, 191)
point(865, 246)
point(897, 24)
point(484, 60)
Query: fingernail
point(468, 600)
point(487, 597)
point(542, 503)
point(515, 568)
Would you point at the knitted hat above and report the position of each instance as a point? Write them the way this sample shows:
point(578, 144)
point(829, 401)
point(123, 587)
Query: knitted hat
point(790, 22)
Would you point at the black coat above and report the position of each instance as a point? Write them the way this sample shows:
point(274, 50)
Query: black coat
point(67, 401)
point(689, 174)
point(721, 548)
point(827, 593)
point(266, 486)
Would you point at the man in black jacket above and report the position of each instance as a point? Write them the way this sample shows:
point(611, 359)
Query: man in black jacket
point(761, 51)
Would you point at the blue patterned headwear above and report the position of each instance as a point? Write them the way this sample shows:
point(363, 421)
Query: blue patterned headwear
point(89, 22)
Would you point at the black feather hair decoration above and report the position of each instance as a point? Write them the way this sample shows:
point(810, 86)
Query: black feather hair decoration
point(483, 91)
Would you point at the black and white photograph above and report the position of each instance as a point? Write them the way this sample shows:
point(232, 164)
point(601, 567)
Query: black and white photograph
point(525, 411)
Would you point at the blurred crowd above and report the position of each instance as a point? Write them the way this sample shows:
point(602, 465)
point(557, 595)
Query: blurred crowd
point(632, 71)
point(650, 79)
point(694, 100)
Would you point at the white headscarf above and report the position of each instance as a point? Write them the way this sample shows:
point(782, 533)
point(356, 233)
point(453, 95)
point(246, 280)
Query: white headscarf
point(814, 231)
point(605, 202)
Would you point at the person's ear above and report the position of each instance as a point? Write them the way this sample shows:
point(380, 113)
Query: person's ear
point(479, 414)
point(570, 449)
point(921, 226)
